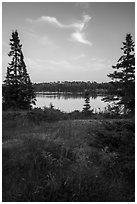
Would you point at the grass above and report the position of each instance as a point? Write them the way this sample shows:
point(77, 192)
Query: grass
point(71, 160)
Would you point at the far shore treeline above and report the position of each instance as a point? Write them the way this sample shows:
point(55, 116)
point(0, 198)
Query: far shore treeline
point(73, 86)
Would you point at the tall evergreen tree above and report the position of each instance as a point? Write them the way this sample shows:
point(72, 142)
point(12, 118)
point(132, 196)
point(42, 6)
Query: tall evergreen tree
point(18, 92)
point(123, 78)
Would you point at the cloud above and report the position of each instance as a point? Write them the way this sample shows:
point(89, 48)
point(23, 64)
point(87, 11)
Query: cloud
point(61, 69)
point(52, 65)
point(78, 35)
point(81, 56)
point(51, 20)
point(59, 63)
point(96, 64)
point(29, 33)
point(86, 19)
point(40, 38)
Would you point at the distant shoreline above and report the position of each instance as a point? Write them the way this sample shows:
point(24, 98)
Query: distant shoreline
point(69, 93)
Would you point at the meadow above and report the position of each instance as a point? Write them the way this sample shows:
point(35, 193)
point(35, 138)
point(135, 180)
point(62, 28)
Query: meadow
point(51, 156)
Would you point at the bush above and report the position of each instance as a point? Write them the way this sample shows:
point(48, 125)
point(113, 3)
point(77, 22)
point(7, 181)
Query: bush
point(50, 115)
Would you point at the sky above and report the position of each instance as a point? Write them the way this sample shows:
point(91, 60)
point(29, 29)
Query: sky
point(67, 41)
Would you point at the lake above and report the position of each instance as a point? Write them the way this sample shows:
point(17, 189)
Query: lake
point(68, 102)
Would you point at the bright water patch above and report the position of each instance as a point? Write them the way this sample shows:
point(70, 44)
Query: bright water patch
point(68, 102)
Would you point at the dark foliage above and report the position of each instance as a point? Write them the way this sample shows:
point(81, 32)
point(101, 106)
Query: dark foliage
point(70, 161)
point(122, 89)
point(48, 114)
point(18, 92)
point(86, 106)
point(37, 115)
point(73, 87)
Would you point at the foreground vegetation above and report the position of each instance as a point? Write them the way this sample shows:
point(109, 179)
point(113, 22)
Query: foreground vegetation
point(47, 159)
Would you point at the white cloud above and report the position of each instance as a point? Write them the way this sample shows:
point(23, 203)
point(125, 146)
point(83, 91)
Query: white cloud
point(86, 19)
point(79, 27)
point(80, 37)
point(51, 20)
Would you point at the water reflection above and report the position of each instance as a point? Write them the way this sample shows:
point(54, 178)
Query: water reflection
point(62, 95)
point(68, 102)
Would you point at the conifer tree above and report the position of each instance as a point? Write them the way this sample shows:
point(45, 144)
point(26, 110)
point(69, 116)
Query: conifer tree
point(87, 106)
point(122, 91)
point(18, 92)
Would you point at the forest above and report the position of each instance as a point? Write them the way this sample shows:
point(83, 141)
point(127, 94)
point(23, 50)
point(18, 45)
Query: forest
point(74, 86)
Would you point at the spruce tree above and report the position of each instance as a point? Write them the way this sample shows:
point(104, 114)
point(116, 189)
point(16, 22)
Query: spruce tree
point(122, 91)
point(18, 92)
point(86, 106)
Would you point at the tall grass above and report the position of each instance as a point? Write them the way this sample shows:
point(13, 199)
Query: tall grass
point(65, 161)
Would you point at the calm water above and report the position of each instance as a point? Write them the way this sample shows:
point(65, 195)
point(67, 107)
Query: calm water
point(68, 102)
